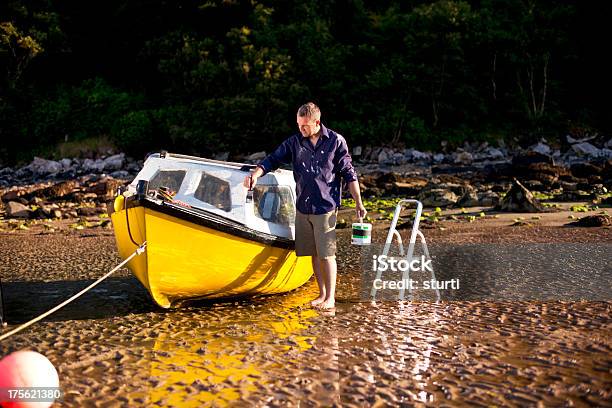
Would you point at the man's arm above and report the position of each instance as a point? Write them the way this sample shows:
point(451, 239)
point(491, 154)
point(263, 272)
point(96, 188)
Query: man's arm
point(281, 155)
point(348, 173)
point(355, 191)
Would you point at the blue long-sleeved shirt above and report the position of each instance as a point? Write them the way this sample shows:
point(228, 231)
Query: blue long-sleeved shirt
point(317, 170)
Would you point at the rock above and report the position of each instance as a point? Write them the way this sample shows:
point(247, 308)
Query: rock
point(519, 199)
point(134, 167)
point(438, 158)
point(547, 174)
point(120, 174)
point(541, 148)
point(105, 188)
point(469, 197)
point(114, 162)
point(437, 169)
point(408, 186)
point(398, 158)
point(534, 185)
point(496, 172)
point(373, 192)
point(457, 189)
point(608, 144)
point(12, 195)
point(488, 199)
point(367, 180)
point(545, 168)
point(491, 153)
point(448, 178)
point(17, 210)
point(357, 151)
point(87, 211)
point(417, 156)
point(257, 156)
point(42, 167)
point(43, 212)
point(464, 158)
point(525, 159)
point(583, 170)
point(573, 196)
point(92, 166)
point(437, 197)
point(572, 140)
point(55, 191)
point(383, 157)
point(568, 186)
point(66, 163)
point(586, 149)
point(384, 178)
point(600, 220)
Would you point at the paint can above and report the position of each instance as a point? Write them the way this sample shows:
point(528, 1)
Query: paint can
point(362, 233)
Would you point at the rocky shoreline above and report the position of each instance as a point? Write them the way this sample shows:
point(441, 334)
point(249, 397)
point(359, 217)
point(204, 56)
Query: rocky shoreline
point(475, 175)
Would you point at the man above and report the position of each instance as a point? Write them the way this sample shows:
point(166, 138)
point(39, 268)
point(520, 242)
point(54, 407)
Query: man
point(320, 160)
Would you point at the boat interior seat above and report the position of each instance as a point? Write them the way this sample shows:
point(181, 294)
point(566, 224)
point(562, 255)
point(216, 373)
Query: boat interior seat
point(268, 206)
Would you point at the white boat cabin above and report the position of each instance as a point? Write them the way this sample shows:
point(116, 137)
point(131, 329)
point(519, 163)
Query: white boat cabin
point(217, 187)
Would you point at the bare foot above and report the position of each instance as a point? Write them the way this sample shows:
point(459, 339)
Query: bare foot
point(317, 301)
point(327, 304)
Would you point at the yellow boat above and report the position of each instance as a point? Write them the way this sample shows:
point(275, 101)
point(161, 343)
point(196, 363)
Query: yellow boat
point(206, 237)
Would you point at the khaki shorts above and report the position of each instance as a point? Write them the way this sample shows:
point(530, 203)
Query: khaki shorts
point(315, 235)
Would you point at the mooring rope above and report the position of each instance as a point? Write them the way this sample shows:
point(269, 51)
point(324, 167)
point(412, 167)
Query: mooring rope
point(137, 252)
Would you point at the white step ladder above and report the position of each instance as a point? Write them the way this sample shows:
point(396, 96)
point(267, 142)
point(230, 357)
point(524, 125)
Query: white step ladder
point(409, 255)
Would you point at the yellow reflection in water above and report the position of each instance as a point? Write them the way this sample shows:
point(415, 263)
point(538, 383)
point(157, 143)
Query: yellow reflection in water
point(211, 366)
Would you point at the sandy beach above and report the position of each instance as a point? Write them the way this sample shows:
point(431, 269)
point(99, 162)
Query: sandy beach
point(114, 347)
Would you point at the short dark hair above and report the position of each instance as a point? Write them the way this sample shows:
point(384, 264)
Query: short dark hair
point(310, 110)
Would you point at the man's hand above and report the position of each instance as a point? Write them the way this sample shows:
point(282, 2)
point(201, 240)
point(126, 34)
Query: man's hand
point(360, 210)
point(253, 176)
point(248, 183)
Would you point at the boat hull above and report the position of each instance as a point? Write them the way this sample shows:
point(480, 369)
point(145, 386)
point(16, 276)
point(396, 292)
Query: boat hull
point(186, 261)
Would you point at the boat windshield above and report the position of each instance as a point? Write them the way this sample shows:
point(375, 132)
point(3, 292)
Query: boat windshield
point(274, 204)
point(214, 191)
point(171, 179)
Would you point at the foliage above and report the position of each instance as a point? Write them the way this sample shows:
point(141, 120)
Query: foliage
point(77, 112)
point(202, 76)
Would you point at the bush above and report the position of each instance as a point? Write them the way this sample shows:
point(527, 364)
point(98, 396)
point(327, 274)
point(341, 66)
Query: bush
point(132, 131)
point(75, 113)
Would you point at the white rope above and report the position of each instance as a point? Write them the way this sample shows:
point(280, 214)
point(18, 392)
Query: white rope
point(138, 251)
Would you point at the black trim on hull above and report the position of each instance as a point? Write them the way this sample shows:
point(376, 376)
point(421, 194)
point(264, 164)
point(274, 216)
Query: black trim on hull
point(213, 221)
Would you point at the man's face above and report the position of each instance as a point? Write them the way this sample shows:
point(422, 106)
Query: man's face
point(308, 126)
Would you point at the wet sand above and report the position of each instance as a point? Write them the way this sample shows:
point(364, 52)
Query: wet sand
point(113, 347)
